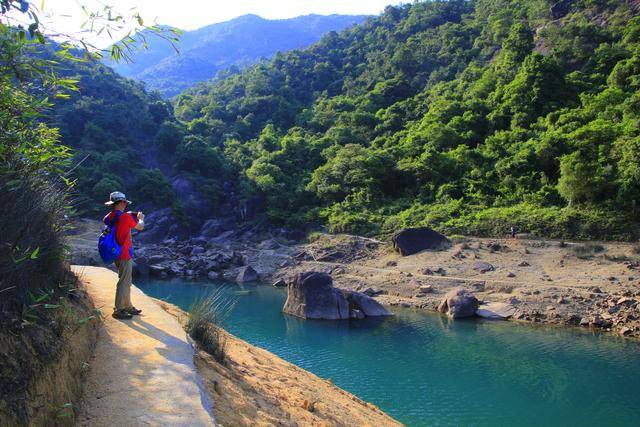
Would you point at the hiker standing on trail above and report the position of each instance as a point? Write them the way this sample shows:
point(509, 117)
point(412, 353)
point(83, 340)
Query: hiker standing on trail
point(124, 223)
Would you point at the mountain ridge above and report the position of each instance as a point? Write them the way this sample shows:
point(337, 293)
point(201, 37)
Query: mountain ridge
point(235, 43)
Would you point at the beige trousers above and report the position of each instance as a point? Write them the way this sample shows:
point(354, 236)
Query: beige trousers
point(123, 288)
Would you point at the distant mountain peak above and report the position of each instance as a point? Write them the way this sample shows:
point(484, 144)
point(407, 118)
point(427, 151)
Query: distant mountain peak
point(238, 42)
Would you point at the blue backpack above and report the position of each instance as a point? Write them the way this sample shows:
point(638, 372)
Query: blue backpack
point(108, 246)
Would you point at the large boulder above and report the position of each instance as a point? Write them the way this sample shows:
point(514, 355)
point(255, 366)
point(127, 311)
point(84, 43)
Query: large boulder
point(311, 295)
point(459, 303)
point(409, 241)
point(247, 274)
point(364, 304)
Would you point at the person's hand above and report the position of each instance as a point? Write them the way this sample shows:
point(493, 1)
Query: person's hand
point(140, 216)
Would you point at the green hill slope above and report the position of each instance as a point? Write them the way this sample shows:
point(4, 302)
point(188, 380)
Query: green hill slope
point(471, 116)
point(120, 136)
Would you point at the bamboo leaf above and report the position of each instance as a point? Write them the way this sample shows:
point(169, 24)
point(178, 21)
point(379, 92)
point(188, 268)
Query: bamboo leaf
point(35, 253)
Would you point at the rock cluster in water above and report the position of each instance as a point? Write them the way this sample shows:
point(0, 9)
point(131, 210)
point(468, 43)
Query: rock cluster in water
point(194, 258)
point(311, 295)
point(459, 303)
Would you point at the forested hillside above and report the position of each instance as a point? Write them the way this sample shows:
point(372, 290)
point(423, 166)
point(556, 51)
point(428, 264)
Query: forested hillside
point(469, 116)
point(120, 135)
point(235, 43)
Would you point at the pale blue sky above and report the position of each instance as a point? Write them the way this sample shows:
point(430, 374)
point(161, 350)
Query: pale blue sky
point(192, 14)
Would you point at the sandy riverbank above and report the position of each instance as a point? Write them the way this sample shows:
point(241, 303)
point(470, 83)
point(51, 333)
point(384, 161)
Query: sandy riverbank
point(257, 388)
point(594, 285)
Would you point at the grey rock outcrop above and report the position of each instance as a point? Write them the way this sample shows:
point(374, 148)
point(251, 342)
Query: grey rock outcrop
point(311, 295)
point(365, 304)
point(459, 303)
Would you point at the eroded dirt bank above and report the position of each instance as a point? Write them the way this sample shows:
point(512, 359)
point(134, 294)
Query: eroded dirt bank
point(44, 361)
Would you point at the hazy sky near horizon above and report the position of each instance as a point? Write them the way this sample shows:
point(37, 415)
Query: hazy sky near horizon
point(194, 14)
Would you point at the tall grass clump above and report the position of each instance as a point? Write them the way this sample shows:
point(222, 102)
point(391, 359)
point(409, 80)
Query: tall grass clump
point(204, 321)
point(32, 245)
point(33, 193)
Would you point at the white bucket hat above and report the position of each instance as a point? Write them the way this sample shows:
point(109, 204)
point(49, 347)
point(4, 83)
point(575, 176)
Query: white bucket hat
point(116, 197)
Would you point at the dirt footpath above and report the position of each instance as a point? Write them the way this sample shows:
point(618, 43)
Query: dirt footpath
point(142, 372)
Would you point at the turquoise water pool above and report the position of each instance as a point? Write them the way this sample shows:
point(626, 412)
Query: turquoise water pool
point(425, 370)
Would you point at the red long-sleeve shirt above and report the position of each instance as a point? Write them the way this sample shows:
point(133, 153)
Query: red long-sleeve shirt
point(123, 231)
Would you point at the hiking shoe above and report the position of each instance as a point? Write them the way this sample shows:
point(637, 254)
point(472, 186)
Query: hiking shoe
point(121, 314)
point(133, 311)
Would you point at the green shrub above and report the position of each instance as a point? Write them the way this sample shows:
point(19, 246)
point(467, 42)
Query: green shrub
point(583, 222)
point(314, 236)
